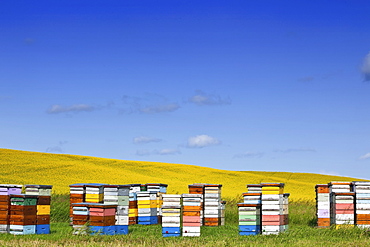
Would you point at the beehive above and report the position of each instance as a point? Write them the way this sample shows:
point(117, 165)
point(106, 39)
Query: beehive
point(147, 207)
point(191, 214)
point(102, 219)
point(133, 209)
point(323, 205)
point(250, 214)
point(212, 205)
point(22, 214)
point(5, 191)
point(343, 208)
point(274, 208)
point(362, 190)
point(43, 193)
point(171, 215)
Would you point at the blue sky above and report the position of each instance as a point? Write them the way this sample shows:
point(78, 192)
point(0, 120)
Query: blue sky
point(235, 85)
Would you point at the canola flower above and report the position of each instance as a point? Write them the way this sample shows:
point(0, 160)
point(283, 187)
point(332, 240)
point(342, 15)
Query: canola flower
point(61, 170)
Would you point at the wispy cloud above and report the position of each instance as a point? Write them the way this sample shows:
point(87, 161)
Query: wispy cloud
point(365, 68)
point(57, 148)
point(249, 154)
point(201, 141)
point(201, 98)
point(145, 139)
point(54, 109)
point(160, 108)
point(306, 79)
point(169, 151)
point(150, 104)
point(165, 151)
point(291, 150)
point(365, 156)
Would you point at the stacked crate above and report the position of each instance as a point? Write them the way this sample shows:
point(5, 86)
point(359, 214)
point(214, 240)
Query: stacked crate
point(160, 189)
point(171, 215)
point(76, 195)
point(254, 188)
point(198, 189)
point(80, 217)
point(323, 205)
point(133, 209)
point(122, 212)
point(212, 205)
point(273, 208)
point(102, 218)
point(94, 193)
point(43, 193)
point(250, 214)
point(22, 214)
point(191, 214)
point(343, 209)
point(5, 191)
point(362, 190)
point(147, 207)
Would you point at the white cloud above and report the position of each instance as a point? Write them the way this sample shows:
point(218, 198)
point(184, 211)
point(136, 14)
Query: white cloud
point(365, 69)
point(169, 151)
point(74, 108)
point(291, 150)
point(201, 141)
point(150, 104)
point(201, 98)
point(160, 108)
point(165, 151)
point(145, 139)
point(365, 156)
point(249, 154)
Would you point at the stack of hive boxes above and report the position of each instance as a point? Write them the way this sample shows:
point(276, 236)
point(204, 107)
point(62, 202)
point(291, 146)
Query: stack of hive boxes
point(171, 215)
point(22, 214)
point(76, 195)
point(323, 205)
point(342, 200)
point(102, 218)
point(147, 207)
point(362, 190)
point(118, 195)
point(198, 189)
point(212, 205)
point(80, 217)
point(250, 214)
point(43, 193)
point(5, 191)
point(133, 209)
point(274, 208)
point(191, 214)
point(160, 189)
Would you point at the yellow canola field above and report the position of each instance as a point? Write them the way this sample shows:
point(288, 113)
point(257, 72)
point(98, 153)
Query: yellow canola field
point(61, 170)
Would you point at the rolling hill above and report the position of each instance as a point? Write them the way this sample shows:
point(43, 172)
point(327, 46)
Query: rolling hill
point(61, 170)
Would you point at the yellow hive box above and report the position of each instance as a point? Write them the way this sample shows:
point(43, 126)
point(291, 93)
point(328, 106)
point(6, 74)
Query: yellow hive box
point(144, 206)
point(94, 196)
point(132, 210)
point(43, 209)
point(271, 192)
point(143, 202)
point(93, 200)
point(153, 204)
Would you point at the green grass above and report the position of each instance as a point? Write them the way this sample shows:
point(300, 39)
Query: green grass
point(302, 232)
